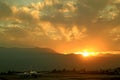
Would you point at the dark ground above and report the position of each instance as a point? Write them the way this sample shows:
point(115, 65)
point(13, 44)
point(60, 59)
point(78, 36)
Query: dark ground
point(62, 76)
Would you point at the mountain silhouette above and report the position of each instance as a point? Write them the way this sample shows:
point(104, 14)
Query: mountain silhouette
point(31, 58)
point(43, 59)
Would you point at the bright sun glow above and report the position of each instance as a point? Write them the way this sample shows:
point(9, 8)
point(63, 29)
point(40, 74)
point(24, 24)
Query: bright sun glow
point(87, 53)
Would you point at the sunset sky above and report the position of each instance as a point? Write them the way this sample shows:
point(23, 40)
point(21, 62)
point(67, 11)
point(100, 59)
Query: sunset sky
point(63, 25)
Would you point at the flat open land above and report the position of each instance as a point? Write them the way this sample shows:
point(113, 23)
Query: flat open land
point(62, 76)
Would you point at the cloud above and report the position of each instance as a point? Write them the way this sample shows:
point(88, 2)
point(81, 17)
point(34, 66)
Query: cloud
point(78, 12)
point(16, 32)
point(63, 21)
point(25, 14)
point(32, 15)
point(68, 11)
point(115, 33)
point(5, 10)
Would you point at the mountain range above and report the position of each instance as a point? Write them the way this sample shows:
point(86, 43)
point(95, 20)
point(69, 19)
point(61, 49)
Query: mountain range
point(44, 59)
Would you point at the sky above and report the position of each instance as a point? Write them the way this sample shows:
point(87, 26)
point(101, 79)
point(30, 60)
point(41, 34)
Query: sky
point(63, 25)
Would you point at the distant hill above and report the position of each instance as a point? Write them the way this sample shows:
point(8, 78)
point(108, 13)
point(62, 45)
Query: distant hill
point(31, 58)
point(27, 50)
point(47, 59)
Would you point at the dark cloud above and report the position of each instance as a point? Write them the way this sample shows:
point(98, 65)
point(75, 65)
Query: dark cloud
point(15, 32)
point(25, 15)
point(85, 11)
point(5, 10)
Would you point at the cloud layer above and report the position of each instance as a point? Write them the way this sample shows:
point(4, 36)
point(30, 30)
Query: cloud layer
point(55, 23)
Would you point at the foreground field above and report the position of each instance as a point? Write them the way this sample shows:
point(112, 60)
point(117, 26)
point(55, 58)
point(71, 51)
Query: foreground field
point(62, 76)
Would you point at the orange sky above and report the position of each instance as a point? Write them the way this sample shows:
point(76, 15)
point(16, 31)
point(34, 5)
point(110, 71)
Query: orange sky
point(65, 26)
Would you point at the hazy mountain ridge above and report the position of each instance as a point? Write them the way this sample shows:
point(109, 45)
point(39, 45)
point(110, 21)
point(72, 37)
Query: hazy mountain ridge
point(25, 58)
point(48, 59)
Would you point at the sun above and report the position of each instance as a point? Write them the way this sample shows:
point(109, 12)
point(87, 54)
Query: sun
point(86, 53)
